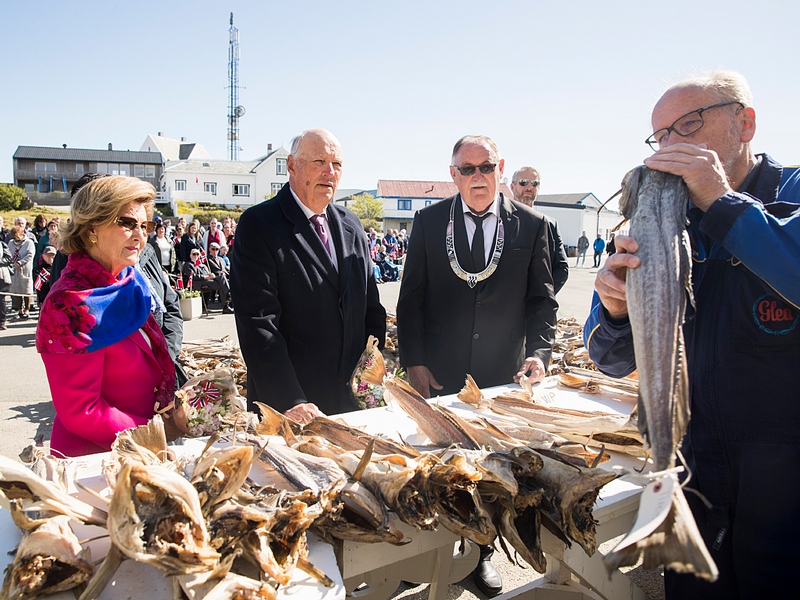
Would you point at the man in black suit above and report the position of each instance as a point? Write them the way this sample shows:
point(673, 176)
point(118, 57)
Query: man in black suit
point(477, 293)
point(306, 301)
point(525, 187)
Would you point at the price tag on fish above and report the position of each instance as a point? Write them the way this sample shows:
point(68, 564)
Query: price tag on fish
point(654, 505)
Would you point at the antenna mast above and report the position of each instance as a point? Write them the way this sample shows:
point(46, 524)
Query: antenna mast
point(235, 110)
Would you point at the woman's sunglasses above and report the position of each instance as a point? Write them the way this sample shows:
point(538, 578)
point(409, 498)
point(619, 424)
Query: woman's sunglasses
point(130, 224)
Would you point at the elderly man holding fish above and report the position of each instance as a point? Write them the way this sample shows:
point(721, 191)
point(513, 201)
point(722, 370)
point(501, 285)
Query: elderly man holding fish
point(741, 335)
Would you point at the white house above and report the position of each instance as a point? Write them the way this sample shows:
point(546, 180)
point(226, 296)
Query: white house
point(225, 183)
point(576, 213)
point(174, 150)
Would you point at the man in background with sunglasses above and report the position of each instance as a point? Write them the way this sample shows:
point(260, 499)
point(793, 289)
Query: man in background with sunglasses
point(742, 336)
point(477, 294)
point(525, 187)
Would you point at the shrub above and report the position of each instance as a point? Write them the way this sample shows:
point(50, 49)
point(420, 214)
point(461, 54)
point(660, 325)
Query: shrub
point(12, 197)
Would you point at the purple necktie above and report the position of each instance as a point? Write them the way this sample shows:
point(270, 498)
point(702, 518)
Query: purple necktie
point(319, 226)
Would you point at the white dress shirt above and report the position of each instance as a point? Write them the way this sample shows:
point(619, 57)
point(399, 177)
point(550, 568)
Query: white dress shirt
point(309, 213)
point(489, 226)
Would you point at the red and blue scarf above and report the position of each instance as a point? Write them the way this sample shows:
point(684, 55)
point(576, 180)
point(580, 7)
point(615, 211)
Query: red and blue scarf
point(88, 309)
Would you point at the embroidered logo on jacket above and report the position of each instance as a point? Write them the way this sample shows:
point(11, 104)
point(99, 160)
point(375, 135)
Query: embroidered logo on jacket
point(774, 315)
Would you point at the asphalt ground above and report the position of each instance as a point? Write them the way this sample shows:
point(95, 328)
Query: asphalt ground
point(26, 410)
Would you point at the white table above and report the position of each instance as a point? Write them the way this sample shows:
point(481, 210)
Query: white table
point(434, 556)
point(135, 580)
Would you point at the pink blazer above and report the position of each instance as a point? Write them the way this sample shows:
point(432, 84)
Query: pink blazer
point(99, 394)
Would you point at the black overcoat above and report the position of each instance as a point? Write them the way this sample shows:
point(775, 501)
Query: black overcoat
point(488, 330)
point(301, 324)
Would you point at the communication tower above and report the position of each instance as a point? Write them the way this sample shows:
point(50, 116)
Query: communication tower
point(235, 110)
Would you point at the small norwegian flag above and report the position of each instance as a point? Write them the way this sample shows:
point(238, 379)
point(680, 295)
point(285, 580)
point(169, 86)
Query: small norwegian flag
point(189, 282)
point(208, 394)
point(179, 283)
point(41, 279)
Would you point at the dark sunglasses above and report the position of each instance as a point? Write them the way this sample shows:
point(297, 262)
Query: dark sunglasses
point(527, 182)
point(470, 169)
point(130, 224)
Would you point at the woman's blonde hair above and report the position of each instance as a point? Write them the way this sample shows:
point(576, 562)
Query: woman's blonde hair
point(99, 203)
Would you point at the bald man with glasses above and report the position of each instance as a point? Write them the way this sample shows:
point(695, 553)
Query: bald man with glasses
point(742, 336)
point(525, 187)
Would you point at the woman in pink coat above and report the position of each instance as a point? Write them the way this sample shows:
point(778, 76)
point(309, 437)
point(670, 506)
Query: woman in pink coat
point(106, 359)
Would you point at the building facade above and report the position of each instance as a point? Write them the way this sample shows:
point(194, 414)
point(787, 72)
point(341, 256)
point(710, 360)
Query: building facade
point(225, 183)
point(42, 170)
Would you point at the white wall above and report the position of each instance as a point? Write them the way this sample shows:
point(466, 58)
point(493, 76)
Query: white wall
point(195, 184)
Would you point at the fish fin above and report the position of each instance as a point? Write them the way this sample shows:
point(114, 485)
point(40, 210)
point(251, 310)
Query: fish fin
point(365, 458)
point(470, 393)
point(619, 225)
point(274, 423)
point(686, 266)
point(642, 420)
point(630, 191)
point(676, 544)
point(307, 567)
point(680, 395)
point(270, 420)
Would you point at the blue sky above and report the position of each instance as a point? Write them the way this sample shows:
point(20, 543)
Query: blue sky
point(565, 86)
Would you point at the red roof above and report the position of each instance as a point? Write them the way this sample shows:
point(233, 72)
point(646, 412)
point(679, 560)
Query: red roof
point(398, 188)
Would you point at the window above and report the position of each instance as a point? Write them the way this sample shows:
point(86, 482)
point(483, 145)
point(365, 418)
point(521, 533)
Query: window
point(150, 171)
point(46, 167)
point(404, 205)
point(79, 168)
point(29, 187)
point(428, 202)
point(180, 185)
point(102, 167)
point(123, 170)
point(241, 189)
point(276, 187)
point(280, 166)
point(210, 187)
point(138, 170)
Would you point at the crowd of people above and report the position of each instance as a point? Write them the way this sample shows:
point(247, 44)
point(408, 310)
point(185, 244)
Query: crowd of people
point(478, 296)
point(387, 254)
point(27, 257)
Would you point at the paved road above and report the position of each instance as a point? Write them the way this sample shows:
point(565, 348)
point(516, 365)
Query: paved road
point(26, 410)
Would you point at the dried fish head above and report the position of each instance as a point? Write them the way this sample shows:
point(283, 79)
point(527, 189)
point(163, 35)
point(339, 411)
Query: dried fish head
point(17, 482)
point(155, 517)
point(569, 495)
point(146, 443)
point(48, 560)
point(278, 545)
point(362, 518)
point(453, 488)
point(220, 472)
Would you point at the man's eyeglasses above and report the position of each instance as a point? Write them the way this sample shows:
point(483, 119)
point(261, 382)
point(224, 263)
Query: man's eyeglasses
point(527, 182)
point(470, 169)
point(687, 125)
point(130, 224)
